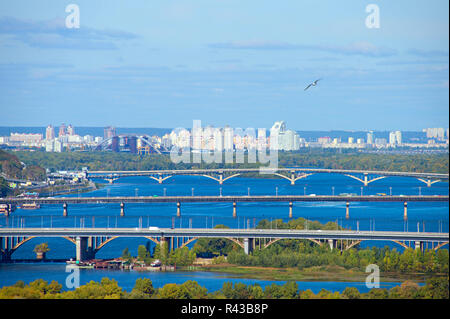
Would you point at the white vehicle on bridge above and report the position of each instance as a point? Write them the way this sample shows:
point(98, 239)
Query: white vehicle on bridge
point(153, 228)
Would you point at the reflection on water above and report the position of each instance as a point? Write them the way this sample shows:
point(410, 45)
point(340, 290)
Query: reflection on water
point(10, 273)
point(366, 216)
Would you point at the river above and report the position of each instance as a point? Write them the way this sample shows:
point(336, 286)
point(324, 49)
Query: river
point(366, 216)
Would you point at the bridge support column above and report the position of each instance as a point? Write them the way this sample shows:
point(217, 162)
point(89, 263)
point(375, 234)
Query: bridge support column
point(248, 245)
point(332, 243)
point(290, 209)
point(122, 209)
point(178, 209)
point(81, 244)
point(292, 178)
point(234, 210)
point(220, 178)
point(8, 210)
point(418, 245)
point(166, 244)
point(405, 211)
point(347, 210)
point(65, 209)
point(3, 250)
point(366, 182)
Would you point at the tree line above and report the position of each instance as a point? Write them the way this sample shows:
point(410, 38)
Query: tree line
point(300, 254)
point(435, 288)
point(333, 159)
point(305, 254)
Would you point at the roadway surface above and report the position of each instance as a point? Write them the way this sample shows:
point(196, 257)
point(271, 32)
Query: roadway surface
point(234, 233)
point(200, 199)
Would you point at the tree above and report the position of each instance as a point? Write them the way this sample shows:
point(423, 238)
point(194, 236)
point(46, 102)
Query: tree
point(172, 291)
point(126, 255)
point(143, 254)
point(351, 293)
point(41, 250)
point(437, 288)
point(194, 290)
point(143, 289)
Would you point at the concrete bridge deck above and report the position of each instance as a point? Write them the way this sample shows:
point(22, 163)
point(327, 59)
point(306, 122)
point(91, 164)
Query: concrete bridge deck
point(215, 233)
point(206, 199)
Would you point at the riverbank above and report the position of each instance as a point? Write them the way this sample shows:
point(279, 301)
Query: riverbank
point(318, 273)
point(69, 189)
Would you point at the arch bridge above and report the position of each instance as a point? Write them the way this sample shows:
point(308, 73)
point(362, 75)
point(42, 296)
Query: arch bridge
point(88, 241)
point(291, 174)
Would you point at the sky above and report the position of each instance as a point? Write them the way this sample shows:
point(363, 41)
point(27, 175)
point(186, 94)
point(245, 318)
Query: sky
point(225, 62)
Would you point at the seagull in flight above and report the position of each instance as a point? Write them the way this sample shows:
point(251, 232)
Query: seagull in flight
point(312, 84)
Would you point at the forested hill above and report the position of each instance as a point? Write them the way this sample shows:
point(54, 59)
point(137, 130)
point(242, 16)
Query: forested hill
point(11, 166)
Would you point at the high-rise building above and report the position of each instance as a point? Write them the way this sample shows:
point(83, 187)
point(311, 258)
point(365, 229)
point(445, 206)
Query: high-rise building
point(228, 136)
point(197, 137)
point(282, 139)
point(370, 137)
point(392, 138)
point(278, 128)
point(132, 144)
point(62, 130)
point(218, 140)
point(57, 146)
point(398, 137)
point(109, 132)
point(261, 143)
point(70, 130)
point(49, 133)
point(115, 144)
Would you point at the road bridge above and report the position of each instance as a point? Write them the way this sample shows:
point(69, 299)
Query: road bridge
point(292, 174)
point(122, 200)
point(89, 240)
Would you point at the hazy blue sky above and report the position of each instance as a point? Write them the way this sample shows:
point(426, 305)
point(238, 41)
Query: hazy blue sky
point(242, 63)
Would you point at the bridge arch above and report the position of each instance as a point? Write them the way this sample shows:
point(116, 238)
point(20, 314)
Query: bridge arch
point(24, 240)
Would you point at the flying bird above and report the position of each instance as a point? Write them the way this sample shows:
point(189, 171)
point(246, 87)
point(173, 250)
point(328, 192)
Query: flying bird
point(312, 84)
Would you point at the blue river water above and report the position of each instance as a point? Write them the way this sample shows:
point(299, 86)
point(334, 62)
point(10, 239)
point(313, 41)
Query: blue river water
point(426, 216)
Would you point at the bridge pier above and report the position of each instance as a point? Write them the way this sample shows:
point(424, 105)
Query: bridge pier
point(84, 248)
point(178, 209)
point(405, 211)
point(418, 245)
point(248, 245)
point(332, 243)
point(347, 210)
point(166, 242)
point(290, 209)
point(234, 210)
point(65, 209)
point(8, 210)
point(122, 209)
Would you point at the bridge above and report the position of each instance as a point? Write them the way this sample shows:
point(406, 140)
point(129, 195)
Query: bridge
point(292, 174)
point(89, 240)
point(65, 201)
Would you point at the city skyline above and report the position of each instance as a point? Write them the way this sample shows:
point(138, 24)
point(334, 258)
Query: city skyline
point(160, 67)
point(217, 139)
